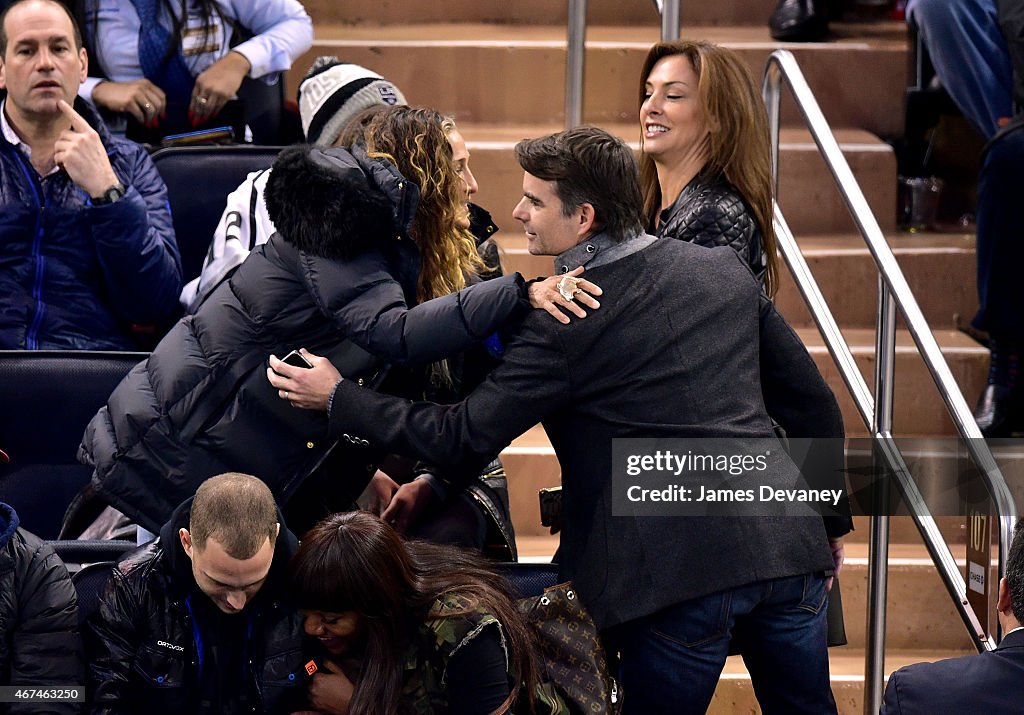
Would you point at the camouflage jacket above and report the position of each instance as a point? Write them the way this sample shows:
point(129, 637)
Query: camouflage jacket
point(451, 624)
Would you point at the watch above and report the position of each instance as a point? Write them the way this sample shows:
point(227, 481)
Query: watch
point(109, 196)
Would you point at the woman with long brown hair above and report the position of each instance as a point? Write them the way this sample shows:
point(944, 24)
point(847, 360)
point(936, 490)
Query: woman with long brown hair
point(408, 627)
point(705, 170)
point(705, 163)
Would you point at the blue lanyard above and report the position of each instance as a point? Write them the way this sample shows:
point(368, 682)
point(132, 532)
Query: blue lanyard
point(197, 637)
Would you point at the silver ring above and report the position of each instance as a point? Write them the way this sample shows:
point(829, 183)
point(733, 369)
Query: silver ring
point(148, 106)
point(286, 393)
point(202, 100)
point(568, 287)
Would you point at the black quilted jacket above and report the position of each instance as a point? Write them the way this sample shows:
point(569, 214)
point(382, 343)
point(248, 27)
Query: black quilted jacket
point(39, 641)
point(710, 212)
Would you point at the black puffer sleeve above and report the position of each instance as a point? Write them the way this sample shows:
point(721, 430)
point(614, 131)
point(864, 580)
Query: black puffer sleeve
point(112, 639)
point(46, 644)
point(368, 305)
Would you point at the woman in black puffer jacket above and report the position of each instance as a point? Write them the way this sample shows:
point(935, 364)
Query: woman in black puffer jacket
point(358, 242)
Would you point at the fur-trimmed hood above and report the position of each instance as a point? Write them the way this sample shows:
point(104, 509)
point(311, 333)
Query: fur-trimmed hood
point(338, 202)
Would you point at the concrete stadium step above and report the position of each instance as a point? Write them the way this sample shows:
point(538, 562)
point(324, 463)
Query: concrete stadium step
point(902, 530)
point(933, 624)
point(531, 465)
point(532, 12)
point(848, 278)
point(918, 409)
point(516, 74)
point(535, 543)
point(846, 275)
point(735, 693)
point(807, 194)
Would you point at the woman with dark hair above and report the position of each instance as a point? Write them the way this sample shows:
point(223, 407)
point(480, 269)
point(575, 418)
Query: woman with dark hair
point(369, 260)
point(173, 65)
point(705, 163)
point(409, 627)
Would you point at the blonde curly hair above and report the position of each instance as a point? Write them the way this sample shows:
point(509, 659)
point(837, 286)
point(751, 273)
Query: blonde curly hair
point(416, 141)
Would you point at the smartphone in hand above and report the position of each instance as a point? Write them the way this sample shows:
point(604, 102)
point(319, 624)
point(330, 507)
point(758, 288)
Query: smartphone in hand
point(295, 359)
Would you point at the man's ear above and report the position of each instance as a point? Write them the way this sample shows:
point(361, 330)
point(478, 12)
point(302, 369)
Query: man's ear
point(83, 57)
point(3, 74)
point(186, 541)
point(277, 530)
point(1004, 603)
point(586, 219)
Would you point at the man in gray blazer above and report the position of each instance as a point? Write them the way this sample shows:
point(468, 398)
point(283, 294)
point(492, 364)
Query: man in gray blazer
point(672, 353)
point(990, 683)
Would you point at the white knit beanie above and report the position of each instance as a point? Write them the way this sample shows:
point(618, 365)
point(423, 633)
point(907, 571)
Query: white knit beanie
point(333, 92)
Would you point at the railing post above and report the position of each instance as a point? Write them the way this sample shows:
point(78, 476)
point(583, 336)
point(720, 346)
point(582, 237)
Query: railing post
point(574, 61)
point(669, 20)
point(782, 66)
point(771, 90)
point(878, 555)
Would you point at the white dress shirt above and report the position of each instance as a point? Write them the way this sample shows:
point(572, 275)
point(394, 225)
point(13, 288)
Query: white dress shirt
point(281, 29)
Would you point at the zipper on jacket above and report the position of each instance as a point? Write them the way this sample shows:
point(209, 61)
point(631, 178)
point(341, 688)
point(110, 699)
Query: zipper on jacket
point(197, 639)
point(32, 333)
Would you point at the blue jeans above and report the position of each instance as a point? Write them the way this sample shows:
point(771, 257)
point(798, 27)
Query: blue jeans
point(971, 60)
point(970, 57)
point(672, 659)
point(1000, 244)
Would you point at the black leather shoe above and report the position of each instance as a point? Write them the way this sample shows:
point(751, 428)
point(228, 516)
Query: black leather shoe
point(799, 21)
point(1000, 411)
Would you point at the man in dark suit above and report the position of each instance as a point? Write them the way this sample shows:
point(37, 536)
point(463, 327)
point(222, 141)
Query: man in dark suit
point(673, 353)
point(991, 682)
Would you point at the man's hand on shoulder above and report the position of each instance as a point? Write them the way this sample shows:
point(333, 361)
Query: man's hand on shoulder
point(79, 151)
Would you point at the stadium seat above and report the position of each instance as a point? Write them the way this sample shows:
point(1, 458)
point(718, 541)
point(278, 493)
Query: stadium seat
point(48, 399)
point(89, 584)
point(78, 553)
point(199, 179)
point(529, 579)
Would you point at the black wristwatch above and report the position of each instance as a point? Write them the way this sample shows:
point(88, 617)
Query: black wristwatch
point(109, 196)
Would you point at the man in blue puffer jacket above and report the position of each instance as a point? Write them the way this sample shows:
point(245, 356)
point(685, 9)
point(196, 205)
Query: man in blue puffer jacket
point(87, 246)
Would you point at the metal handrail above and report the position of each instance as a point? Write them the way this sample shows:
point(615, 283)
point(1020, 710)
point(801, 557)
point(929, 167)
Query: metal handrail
point(576, 45)
point(574, 61)
point(669, 11)
point(894, 293)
